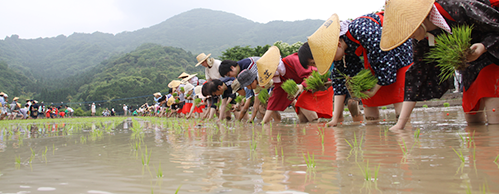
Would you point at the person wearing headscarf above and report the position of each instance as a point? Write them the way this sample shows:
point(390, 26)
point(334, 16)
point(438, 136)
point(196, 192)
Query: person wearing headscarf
point(422, 20)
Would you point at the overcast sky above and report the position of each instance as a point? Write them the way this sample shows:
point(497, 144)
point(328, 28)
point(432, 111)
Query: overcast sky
point(49, 18)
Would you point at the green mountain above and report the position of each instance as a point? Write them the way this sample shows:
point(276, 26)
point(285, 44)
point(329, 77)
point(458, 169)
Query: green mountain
point(196, 31)
point(13, 82)
point(144, 71)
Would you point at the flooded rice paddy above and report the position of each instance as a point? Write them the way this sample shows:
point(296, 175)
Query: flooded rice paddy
point(438, 153)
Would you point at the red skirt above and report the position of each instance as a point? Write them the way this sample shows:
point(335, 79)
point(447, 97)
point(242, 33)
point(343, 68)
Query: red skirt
point(198, 109)
point(320, 102)
point(186, 109)
point(279, 100)
point(485, 85)
point(390, 94)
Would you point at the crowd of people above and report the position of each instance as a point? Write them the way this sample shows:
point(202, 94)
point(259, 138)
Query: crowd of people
point(31, 109)
point(391, 44)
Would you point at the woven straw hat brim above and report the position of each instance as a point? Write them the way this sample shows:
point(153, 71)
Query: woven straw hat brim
point(183, 75)
point(235, 86)
point(189, 77)
point(267, 65)
point(170, 101)
point(324, 43)
point(199, 62)
point(174, 83)
point(401, 19)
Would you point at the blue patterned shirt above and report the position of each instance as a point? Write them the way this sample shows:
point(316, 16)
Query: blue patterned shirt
point(384, 63)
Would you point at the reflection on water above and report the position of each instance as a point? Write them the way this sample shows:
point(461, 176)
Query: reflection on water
point(152, 155)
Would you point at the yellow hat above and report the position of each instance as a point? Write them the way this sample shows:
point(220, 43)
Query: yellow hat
point(170, 101)
point(201, 58)
point(157, 94)
point(183, 75)
point(16, 98)
point(402, 18)
point(174, 83)
point(324, 43)
point(267, 65)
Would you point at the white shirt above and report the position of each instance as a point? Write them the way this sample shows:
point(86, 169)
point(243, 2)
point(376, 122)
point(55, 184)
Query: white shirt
point(212, 73)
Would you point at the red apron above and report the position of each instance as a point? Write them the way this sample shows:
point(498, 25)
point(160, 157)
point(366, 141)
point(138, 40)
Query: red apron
point(484, 86)
point(320, 102)
point(390, 94)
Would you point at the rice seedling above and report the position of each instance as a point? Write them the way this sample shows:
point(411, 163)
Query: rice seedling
point(18, 160)
point(416, 133)
point(425, 106)
point(460, 154)
point(32, 152)
point(451, 50)
point(405, 150)
point(45, 152)
point(178, 189)
point(446, 104)
point(468, 140)
point(317, 82)
point(310, 161)
point(366, 172)
point(383, 108)
point(321, 133)
point(159, 174)
point(484, 188)
point(355, 143)
point(253, 144)
point(496, 158)
point(290, 87)
point(279, 137)
point(146, 157)
point(363, 81)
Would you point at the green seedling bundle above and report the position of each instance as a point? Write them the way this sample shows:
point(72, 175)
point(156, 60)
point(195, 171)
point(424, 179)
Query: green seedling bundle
point(451, 50)
point(363, 81)
point(239, 99)
point(197, 101)
point(317, 82)
point(263, 96)
point(290, 87)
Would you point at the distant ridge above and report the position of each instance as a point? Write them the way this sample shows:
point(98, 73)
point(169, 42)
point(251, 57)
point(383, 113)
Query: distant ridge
point(197, 30)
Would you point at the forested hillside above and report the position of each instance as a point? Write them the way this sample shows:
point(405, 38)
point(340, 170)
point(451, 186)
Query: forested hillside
point(144, 71)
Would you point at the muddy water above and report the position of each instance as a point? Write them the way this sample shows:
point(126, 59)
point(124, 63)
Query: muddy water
point(86, 156)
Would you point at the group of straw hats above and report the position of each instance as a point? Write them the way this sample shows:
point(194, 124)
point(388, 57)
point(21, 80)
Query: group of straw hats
point(401, 19)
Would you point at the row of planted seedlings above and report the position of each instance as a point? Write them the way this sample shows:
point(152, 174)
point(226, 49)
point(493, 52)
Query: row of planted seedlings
point(466, 152)
point(27, 129)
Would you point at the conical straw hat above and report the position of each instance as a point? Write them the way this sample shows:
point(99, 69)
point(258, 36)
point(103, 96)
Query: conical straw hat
point(183, 75)
point(170, 101)
point(267, 65)
point(174, 83)
point(201, 58)
point(402, 18)
point(324, 43)
point(189, 77)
